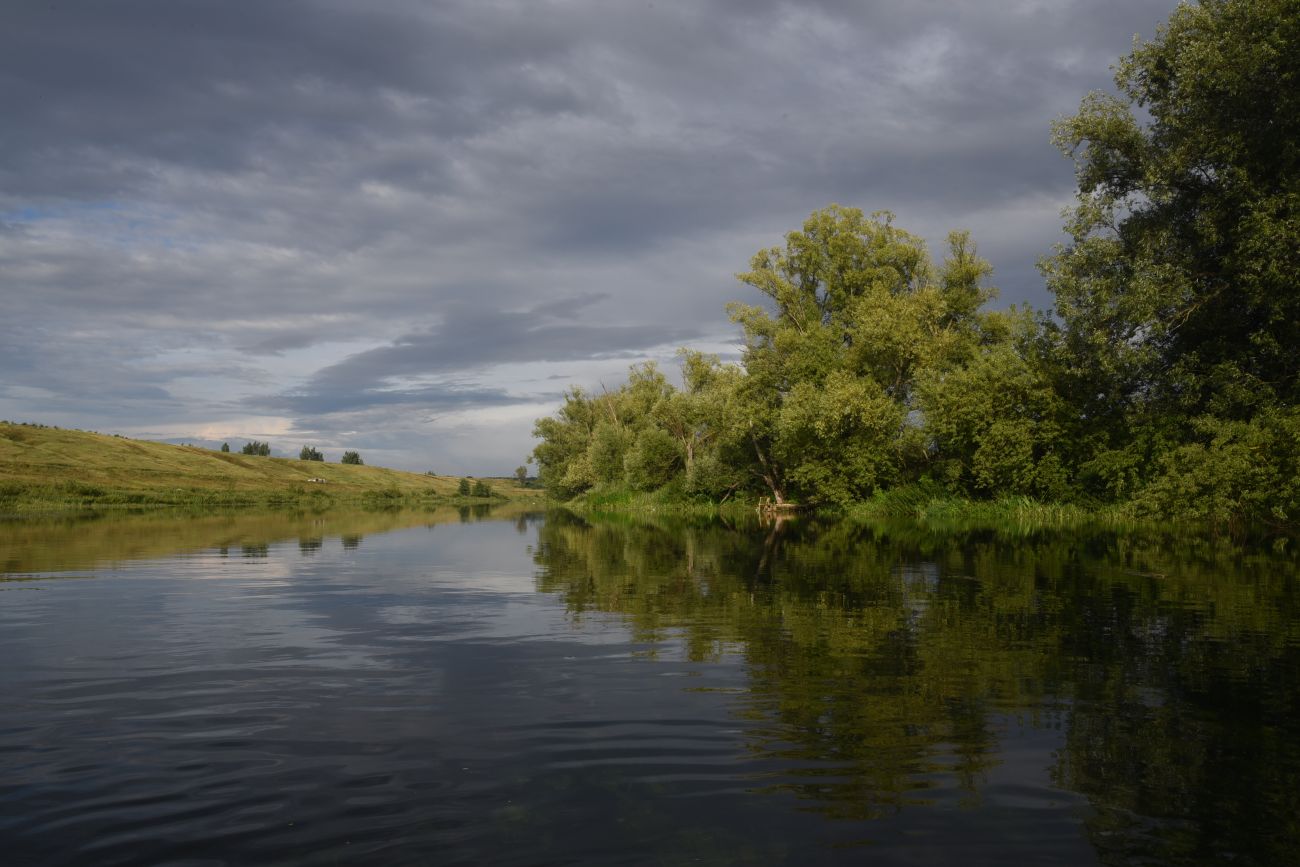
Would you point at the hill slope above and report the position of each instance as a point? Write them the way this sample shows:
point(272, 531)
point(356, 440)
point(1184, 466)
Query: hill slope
point(41, 466)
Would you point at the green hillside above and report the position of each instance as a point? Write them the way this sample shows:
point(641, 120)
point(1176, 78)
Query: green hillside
point(42, 467)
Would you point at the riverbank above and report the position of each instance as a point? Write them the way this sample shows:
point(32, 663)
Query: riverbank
point(49, 469)
point(918, 505)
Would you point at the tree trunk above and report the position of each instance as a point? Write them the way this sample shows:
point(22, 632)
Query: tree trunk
point(769, 474)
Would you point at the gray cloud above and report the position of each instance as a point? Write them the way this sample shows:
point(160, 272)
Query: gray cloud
point(465, 340)
point(343, 217)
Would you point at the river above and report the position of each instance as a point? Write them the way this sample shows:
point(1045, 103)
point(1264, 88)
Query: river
point(464, 687)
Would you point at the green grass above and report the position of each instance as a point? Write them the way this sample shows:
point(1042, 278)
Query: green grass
point(665, 502)
point(925, 506)
point(43, 468)
point(1011, 515)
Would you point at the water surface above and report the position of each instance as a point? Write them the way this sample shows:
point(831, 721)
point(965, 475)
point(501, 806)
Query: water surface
point(449, 688)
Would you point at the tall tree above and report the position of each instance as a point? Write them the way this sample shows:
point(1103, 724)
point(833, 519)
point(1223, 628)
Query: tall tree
point(856, 310)
point(1177, 294)
point(1180, 281)
point(563, 467)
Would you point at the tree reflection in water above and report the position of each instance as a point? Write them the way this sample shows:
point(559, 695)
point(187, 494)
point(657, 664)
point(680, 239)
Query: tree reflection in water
point(881, 660)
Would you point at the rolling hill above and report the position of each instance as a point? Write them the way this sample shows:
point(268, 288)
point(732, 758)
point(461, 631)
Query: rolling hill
point(45, 467)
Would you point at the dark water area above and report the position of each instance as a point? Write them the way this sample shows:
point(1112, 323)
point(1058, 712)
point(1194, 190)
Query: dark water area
point(534, 689)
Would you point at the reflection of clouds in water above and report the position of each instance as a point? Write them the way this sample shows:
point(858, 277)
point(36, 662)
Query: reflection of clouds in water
point(521, 584)
point(259, 563)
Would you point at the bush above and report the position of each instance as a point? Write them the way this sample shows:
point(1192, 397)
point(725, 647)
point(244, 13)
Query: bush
point(652, 460)
point(353, 458)
point(481, 489)
point(1235, 474)
point(309, 453)
point(462, 489)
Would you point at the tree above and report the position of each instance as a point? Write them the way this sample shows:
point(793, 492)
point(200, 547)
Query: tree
point(1177, 292)
point(225, 447)
point(521, 474)
point(481, 489)
point(701, 418)
point(652, 460)
point(463, 488)
point(256, 447)
point(561, 456)
point(994, 423)
point(309, 453)
point(353, 458)
point(856, 310)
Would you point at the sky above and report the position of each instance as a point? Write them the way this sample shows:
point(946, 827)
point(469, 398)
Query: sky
point(406, 228)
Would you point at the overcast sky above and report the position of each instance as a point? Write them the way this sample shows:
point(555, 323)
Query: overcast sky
point(406, 227)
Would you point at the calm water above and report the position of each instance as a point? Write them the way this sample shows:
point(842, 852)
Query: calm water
point(392, 688)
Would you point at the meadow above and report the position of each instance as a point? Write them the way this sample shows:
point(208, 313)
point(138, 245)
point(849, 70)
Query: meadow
point(44, 468)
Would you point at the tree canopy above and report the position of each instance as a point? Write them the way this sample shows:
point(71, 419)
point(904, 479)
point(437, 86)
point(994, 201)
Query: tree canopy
point(1177, 299)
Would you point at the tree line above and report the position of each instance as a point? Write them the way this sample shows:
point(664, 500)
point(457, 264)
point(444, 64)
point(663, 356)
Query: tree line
point(1166, 376)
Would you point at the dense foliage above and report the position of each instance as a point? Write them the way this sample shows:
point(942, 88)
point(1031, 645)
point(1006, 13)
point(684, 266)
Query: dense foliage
point(1168, 378)
point(1177, 299)
point(353, 458)
point(256, 447)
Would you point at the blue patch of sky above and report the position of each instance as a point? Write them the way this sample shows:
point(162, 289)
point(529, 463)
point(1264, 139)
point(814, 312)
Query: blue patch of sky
point(112, 223)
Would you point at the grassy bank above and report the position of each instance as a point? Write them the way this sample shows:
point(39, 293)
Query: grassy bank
point(43, 469)
point(933, 508)
point(926, 507)
point(663, 502)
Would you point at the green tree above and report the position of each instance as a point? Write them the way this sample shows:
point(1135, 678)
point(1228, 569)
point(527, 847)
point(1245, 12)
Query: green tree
point(606, 451)
point(701, 420)
point(351, 457)
point(994, 423)
point(653, 460)
point(521, 474)
point(225, 447)
point(563, 466)
point(856, 310)
point(309, 453)
point(256, 447)
point(1177, 292)
point(463, 488)
point(481, 489)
